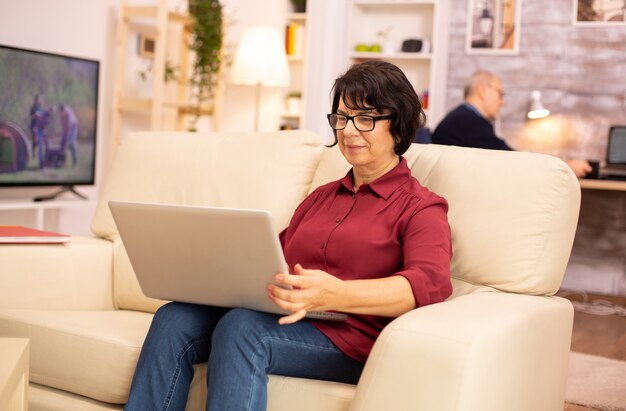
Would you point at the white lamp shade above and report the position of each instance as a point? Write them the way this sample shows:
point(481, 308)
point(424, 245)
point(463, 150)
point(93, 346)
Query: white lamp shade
point(260, 58)
point(536, 109)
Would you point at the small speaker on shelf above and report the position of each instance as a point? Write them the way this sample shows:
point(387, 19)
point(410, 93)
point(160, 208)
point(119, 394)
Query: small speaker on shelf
point(412, 45)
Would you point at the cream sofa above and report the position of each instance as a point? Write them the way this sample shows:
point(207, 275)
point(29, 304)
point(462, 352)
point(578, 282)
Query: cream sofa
point(500, 342)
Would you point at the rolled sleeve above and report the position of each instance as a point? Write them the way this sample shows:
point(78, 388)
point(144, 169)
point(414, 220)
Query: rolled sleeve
point(427, 253)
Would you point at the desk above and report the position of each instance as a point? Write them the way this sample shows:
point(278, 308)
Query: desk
point(14, 374)
point(598, 259)
point(613, 185)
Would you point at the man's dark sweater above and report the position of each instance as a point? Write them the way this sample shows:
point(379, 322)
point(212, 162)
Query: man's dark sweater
point(465, 127)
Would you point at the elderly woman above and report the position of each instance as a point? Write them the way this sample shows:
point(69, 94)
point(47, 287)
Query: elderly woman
point(373, 245)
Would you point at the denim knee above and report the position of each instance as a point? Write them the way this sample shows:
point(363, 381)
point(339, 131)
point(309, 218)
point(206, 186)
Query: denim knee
point(241, 328)
point(174, 320)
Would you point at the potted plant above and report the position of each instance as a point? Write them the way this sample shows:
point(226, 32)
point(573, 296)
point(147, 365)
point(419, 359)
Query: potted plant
point(299, 6)
point(293, 102)
point(206, 43)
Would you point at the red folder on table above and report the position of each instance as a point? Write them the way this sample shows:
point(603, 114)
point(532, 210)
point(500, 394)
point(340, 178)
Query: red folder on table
point(13, 234)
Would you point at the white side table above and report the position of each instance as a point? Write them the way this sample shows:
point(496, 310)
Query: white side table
point(14, 374)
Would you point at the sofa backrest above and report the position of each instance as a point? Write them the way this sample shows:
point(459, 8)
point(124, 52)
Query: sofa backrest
point(271, 171)
point(513, 215)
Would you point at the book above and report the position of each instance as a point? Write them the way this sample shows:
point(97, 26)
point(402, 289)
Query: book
point(13, 234)
point(294, 39)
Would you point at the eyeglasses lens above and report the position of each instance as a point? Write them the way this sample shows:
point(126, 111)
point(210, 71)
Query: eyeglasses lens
point(362, 123)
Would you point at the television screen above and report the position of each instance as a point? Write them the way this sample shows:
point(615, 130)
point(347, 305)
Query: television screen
point(48, 116)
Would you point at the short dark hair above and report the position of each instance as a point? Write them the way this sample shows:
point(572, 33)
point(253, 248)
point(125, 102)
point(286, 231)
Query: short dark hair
point(384, 87)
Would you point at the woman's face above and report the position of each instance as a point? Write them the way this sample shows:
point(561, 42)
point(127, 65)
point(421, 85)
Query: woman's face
point(366, 149)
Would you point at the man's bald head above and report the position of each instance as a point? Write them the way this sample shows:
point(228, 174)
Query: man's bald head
point(480, 78)
point(483, 90)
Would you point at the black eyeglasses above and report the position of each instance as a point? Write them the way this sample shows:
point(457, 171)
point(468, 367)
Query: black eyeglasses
point(362, 122)
point(497, 89)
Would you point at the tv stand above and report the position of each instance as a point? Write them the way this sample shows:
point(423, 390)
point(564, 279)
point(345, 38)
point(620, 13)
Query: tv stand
point(47, 214)
point(64, 189)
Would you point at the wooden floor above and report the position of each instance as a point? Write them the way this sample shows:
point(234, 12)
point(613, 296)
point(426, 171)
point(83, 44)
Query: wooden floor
point(603, 335)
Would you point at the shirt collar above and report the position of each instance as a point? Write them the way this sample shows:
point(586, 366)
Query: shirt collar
point(473, 108)
point(383, 186)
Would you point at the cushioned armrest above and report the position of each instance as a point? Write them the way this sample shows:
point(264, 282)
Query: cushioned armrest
point(482, 351)
point(76, 275)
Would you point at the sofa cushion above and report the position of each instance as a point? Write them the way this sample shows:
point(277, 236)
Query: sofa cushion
point(521, 249)
point(271, 171)
point(494, 245)
point(89, 353)
point(284, 393)
point(334, 166)
point(128, 294)
point(42, 398)
point(72, 276)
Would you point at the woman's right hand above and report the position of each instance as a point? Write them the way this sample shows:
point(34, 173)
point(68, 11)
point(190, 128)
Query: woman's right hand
point(304, 291)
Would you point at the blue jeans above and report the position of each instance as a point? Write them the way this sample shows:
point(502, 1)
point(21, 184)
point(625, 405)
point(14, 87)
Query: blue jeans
point(241, 346)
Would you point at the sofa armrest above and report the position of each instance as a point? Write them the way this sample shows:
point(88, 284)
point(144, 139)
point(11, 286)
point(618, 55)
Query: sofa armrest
point(482, 351)
point(75, 275)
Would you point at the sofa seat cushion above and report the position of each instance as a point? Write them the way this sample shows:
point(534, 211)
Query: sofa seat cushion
point(42, 398)
point(285, 393)
point(89, 353)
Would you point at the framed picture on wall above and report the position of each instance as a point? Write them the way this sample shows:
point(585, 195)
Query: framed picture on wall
point(493, 26)
point(599, 12)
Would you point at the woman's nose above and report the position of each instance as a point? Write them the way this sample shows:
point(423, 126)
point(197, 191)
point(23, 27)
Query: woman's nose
point(350, 128)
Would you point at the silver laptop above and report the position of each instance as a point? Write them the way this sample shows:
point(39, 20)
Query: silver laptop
point(205, 255)
point(615, 154)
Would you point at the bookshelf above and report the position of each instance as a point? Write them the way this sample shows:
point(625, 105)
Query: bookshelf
point(385, 24)
point(296, 45)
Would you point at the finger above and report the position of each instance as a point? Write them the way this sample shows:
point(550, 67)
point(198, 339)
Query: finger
point(285, 299)
point(292, 318)
point(291, 281)
point(280, 293)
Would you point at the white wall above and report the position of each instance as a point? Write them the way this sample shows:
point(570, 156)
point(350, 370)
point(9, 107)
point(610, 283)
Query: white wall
point(86, 28)
point(327, 59)
point(73, 27)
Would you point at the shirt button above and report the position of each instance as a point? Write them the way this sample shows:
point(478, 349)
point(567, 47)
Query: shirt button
point(322, 246)
point(337, 220)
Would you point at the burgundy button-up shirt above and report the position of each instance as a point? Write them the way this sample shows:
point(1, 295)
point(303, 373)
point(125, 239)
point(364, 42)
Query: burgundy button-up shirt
point(392, 226)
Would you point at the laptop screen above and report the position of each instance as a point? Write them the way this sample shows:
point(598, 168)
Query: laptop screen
point(616, 151)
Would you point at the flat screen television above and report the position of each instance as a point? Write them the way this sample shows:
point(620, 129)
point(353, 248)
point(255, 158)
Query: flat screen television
point(48, 119)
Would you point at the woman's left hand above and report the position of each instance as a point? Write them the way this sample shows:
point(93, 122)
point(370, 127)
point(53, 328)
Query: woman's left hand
point(306, 290)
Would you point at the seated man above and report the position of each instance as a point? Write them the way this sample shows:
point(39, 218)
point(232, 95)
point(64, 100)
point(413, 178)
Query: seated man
point(471, 123)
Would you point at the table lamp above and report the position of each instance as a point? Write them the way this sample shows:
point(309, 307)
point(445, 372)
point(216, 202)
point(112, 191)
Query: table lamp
point(536, 109)
point(260, 60)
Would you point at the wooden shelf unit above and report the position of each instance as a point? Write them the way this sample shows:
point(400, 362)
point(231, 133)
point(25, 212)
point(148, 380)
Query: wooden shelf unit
point(158, 23)
point(297, 73)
